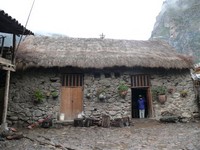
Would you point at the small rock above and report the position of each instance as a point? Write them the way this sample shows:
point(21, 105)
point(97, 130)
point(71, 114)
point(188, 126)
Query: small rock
point(186, 115)
point(176, 95)
point(184, 120)
point(112, 113)
point(38, 113)
point(14, 118)
point(54, 79)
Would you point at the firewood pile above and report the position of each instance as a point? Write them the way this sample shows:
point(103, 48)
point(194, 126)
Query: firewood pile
point(121, 122)
point(105, 121)
point(45, 122)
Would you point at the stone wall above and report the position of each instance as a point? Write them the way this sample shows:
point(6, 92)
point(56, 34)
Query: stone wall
point(185, 107)
point(23, 111)
point(113, 105)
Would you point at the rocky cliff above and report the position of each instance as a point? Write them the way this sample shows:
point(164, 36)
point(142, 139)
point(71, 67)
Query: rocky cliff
point(179, 24)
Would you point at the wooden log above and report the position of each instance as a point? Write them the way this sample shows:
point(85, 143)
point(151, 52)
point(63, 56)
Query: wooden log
point(126, 121)
point(169, 119)
point(88, 122)
point(39, 122)
point(118, 122)
point(105, 121)
point(96, 122)
point(121, 122)
point(78, 122)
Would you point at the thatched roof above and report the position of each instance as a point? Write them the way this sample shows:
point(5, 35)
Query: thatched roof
point(59, 51)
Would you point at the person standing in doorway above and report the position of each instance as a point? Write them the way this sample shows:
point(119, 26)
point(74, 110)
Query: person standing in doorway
point(141, 105)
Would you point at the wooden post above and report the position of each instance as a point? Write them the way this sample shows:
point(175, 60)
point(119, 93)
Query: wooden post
point(150, 105)
point(4, 123)
point(118, 122)
point(14, 49)
point(78, 122)
point(105, 121)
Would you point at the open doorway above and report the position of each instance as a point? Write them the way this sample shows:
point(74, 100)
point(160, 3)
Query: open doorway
point(135, 95)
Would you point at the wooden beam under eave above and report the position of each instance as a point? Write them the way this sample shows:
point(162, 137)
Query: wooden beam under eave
point(8, 68)
point(5, 62)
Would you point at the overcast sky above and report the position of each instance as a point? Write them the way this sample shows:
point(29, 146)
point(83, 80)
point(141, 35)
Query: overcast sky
point(118, 19)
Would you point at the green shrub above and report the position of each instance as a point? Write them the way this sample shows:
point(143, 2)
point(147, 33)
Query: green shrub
point(122, 87)
point(54, 94)
point(183, 93)
point(123, 90)
point(38, 96)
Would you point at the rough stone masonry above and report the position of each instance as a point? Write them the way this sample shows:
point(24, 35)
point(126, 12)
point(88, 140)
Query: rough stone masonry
point(23, 111)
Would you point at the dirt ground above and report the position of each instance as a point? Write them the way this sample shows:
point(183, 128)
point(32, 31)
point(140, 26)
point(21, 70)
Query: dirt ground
point(143, 134)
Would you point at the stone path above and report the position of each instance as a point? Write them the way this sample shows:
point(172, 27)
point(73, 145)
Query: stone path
point(144, 135)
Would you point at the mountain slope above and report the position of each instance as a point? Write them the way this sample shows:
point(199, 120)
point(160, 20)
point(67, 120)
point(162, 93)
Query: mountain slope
point(179, 24)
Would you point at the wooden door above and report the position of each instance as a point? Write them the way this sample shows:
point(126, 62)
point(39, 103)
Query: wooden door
point(77, 101)
point(72, 96)
point(149, 103)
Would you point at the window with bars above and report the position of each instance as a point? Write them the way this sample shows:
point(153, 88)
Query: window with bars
point(72, 80)
point(140, 81)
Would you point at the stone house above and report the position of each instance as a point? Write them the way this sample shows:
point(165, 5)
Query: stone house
point(85, 75)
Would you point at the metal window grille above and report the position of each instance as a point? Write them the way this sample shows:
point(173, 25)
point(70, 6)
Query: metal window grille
point(72, 80)
point(140, 81)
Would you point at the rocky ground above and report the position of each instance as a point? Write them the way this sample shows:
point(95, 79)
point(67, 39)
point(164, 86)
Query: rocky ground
point(143, 134)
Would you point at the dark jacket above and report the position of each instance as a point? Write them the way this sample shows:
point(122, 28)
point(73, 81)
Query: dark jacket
point(141, 103)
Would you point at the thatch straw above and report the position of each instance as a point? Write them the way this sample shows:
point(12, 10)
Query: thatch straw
point(59, 51)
